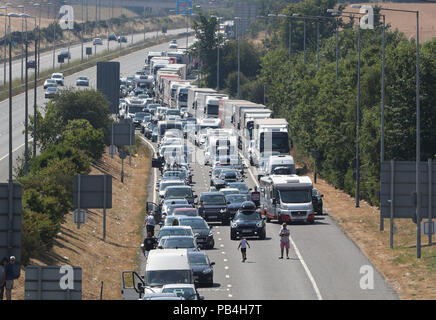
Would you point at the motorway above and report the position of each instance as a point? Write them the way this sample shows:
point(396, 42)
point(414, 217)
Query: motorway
point(324, 264)
point(129, 65)
point(46, 59)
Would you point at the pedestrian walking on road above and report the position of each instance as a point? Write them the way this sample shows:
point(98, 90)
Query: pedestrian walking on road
point(9, 277)
point(243, 245)
point(284, 240)
point(148, 244)
point(3, 264)
point(150, 223)
point(201, 210)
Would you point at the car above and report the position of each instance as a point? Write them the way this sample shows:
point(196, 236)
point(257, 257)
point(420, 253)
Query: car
point(66, 54)
point(190, 212)
point(179, 191)
point(167, 204)
point(177, 206)
point(241, 186)
point(50, 83)
point(178, 242)
point(112, 37)
point(51, 92)
point(234, 202)
point(82, 81)
point(58, 77)
point(247, 222)
point(186, 291)
point(169, 221)
point(181, 174)
point(162, 296)
point(122, 39)
point(228, 176)
point(173, 46)
point(201, 229)
point(137, 120)
point(317, 201)
point(228, 191)
point(174, 231)
point(97, 41)
point(215, 206)
point(31, 64)
point(167, 183)
point(202, 268)
point(154, 134)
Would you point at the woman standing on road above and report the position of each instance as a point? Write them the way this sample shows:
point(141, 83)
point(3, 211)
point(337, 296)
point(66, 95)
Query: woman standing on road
point(284, 240)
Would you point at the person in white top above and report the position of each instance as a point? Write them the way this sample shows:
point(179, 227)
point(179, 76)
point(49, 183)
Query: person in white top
point(150, 223)
point(243, 245)
point(284, 240)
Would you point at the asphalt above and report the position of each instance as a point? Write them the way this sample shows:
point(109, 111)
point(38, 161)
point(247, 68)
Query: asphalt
point(324, 263)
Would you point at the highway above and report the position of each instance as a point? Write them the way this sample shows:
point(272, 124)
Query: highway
point(129, 65)
point(46, 59)
point(324, 264)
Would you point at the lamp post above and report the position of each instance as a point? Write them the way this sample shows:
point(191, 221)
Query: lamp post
point(22, 47)
point(5, 44)
point(39, 37)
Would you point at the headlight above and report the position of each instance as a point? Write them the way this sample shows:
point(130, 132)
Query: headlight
point(210, 234)
point(208, 270)
point(234, 225)
point(259, 224)
point(222, 210)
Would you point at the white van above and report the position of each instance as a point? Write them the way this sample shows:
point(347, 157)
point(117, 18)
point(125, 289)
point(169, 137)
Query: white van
point(167, 266)
point(278, 161)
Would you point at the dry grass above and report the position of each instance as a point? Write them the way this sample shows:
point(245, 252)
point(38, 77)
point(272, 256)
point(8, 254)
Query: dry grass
point(411, 278)
point(103, 261)
point(406, 22)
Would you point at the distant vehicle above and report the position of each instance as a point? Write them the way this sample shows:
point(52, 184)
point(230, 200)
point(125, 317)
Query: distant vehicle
point(51, 92)
point(202, 231)
point(234, 202)
point(174, 231)
point(59, 77)
point(178, 242)
point(182, 290)
point(173, 46)
point(50, 83)
point(122, 39)
point(215, 207)
point(317, 201)
point(31, 64)
point(112, 37)
point(228, 191)
point(97, 41)
point(66, 54)
point(82, 81)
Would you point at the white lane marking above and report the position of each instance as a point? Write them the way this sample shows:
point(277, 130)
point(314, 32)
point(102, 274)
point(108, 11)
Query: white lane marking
point(13, 151)
point(226, 267)
point(218, 232)
point(155, 169)
point(223, 252)
point(227, 276)
point(221, 245)
point(225, 260)
point(300, 257)
point(309, 274)
point(229, 285)
point(230, 296)
point(219, 239)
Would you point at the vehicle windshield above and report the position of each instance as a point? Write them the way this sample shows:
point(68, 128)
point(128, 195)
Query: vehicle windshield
point(56, 76)
point(274, 141)
point(135, 109)
point(178, 192)
point(213, 199)
point(165, 185)
point(190, 212)
point(247, 217)
point(162, 277)
point(174, 232)
point(295, 196)
point(194, 223)
point(231, 191)
point(54, 89)
point(176, 201)
point(187, 293)
point(197, 259)
point(212, 109)
point(240, 186)
point(290, 167)
point(183, 97)
point(140, 115)
point(177, 243)
point(236, 198)
point(173, 112)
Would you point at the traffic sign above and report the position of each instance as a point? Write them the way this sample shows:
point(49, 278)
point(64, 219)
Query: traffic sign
point(80, 216)
point(113, 150)
point(429, 227)
point(122, 154)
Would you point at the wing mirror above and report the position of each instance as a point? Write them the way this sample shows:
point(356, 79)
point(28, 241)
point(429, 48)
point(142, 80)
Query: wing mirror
point(212, 264)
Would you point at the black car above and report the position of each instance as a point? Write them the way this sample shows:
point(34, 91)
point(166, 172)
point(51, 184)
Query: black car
point(122, 39)
point(215, 206)
point(317, 201)
point(215, 180)
point(229, 176)
point(247, 222)
point(201, 267)
point(234, 202)
point(201, 229)
point(112, 37)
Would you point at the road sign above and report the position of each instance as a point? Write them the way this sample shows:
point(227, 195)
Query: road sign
point(429, 227)
point(184, 7)
point(121, 135)
point(113, 150)
point(108, 83)
point(10, 242)
point(80, 216)
point(53, 283)
point(122, 154)
point(92, 191)
point(60, 58)
point(88, 51)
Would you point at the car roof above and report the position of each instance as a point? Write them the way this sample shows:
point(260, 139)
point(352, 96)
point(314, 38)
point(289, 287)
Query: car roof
point(189, 218)
point(179, 187)
point(209, 193)
point(229, 189)
point(179, 285)
point(174, 227)
point(176, 237)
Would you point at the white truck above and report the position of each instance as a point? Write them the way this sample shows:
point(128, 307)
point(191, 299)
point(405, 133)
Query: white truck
point(286, 198)
point(217, 139)
point(225, 111)
point(270, 135)
point(192, 99)
point(182, 96)
point(247, 125)
point(208, 103)
point(170, 91)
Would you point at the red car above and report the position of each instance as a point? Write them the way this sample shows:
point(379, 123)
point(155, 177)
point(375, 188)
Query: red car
point(190, 212)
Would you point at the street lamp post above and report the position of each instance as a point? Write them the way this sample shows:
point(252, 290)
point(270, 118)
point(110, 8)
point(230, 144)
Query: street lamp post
point(5, 45)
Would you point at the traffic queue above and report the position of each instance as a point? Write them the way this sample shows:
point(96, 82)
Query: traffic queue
point(188, 125)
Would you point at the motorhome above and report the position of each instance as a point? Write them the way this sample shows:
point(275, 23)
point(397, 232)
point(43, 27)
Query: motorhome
point(286, 198)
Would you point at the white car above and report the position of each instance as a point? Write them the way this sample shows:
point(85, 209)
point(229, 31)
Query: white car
point(59, 77)
point(183, 290)
point(97, 41)
point(173, 46)
point(50, 83)
point(50, 92)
